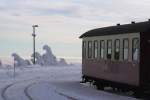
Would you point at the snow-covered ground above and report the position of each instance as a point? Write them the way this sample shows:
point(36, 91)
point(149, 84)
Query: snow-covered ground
point(50, 83)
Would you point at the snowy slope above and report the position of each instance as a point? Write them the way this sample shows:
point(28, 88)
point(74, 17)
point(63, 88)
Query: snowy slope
point(49, 83)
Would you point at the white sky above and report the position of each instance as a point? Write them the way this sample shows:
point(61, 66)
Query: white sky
point(61, 22)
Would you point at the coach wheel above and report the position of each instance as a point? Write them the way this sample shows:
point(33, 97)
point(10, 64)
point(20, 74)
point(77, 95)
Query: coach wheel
point(138, 94)
point(119, 89)
point(99, 86)
point(125, 90)
point(114, 88)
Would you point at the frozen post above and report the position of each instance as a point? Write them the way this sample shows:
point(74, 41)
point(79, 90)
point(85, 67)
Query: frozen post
point(34, 35)
point(14, 68)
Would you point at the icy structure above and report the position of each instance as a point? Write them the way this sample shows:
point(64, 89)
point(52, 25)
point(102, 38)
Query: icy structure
point(62, 62)
point(20, 61)
point(38, 58)
point(48, 57)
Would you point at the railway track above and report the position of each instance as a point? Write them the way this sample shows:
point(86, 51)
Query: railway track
point(24, 87)
point(29, 82)
point(57, 92)
point(26, 91)
point(3, 91)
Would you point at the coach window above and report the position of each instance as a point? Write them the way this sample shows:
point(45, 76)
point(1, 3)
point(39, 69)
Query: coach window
point(89, 49)
point(109, 49)
point(102, 48)
point(117, 49)
point(135, 49)
point(84, 49)
point(95, 49)
point(125, 49)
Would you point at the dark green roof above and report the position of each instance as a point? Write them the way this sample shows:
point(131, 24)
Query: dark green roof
point(118, 29)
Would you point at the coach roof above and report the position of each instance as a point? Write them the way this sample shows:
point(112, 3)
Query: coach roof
point(119, 29)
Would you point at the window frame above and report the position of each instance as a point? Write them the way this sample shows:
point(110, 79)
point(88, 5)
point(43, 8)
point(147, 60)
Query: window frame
point(115, 48)
point(100, 49)
point(127, 48)
point(84, 49)
point(95, 46)
point(107, 49)
point(89, 50)
point(133, 48)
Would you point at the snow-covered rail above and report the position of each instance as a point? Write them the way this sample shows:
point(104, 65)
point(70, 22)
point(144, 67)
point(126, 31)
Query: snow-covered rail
point(44, 90)
point(21, 90)
point(4, 90)
point(26, 91)
point(17, 90)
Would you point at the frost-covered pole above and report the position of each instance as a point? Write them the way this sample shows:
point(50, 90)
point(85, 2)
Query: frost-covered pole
point(14, 68)
point(34, 35)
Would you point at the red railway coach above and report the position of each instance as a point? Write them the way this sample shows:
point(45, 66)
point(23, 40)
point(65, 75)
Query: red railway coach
point(118, 56)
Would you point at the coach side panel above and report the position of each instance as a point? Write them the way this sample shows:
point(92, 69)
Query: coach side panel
point(107, 67)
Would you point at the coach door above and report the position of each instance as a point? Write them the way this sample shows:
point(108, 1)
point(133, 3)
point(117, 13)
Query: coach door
point(145, 58)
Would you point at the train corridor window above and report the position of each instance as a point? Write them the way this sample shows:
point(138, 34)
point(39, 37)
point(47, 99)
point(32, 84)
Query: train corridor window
point(95, 49)
point(89, 49)
point(84, 49)
point(109, 49)
point(135, 49)
point(102, 48)
point(117, 49)
point(125, 49)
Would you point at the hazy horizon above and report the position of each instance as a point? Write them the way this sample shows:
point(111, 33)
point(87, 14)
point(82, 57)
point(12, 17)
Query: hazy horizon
point(10, 61)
